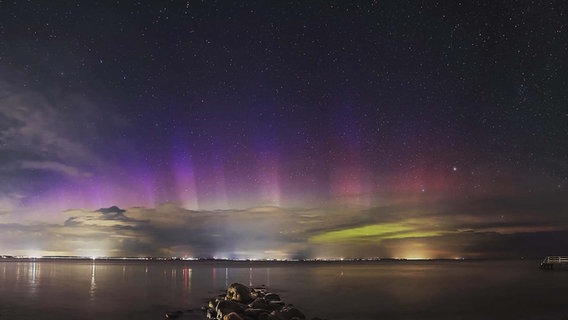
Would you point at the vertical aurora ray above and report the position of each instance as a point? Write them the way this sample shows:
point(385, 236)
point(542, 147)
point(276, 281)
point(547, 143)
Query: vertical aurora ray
point(210, 182)
point(184, 177)
point(268, 179)
point(219, 187)
point(133, 182)
point(349, 180)
point(267, 167)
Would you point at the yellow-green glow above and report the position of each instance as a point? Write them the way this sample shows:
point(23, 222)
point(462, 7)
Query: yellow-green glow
point(375, 232)
point(415, 234)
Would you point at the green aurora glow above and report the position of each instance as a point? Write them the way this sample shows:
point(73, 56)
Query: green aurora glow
point(376, 232)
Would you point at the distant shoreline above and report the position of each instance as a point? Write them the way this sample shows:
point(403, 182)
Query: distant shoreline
point(6, 258)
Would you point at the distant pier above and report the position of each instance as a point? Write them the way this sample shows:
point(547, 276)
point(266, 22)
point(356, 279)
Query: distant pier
point(554, 262)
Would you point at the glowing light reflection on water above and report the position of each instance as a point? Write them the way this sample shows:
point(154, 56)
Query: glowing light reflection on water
point(88, 290)
point(93, 287)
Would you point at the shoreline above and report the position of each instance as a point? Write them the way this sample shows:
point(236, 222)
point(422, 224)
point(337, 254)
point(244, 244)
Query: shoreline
point(251, 261)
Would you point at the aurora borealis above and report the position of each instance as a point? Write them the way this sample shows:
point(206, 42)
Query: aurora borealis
point(279, 130)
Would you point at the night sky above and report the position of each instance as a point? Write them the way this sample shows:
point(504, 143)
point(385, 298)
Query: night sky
point(284, 129)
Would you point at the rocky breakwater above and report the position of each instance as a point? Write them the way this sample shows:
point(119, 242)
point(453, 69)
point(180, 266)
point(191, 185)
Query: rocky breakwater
point(244, 303)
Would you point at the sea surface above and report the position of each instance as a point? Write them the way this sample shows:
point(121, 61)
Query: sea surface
point(58, 289)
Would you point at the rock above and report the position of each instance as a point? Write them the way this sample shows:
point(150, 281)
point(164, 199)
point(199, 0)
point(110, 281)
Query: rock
point(260, 289)
point(213, 303)
point(239, 292)
point(232, 316)
point(277, 305)
point(267, 316)
point(211, 314)
point(259, 303)
point(271, 297)
point(255, 294)
point(225, 307)
point(289, 313)
point(255, 313)
point(244, 303)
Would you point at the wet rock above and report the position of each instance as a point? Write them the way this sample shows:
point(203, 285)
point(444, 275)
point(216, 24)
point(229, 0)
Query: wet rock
point(225, 307)
point(267, 316)
point(259, 303)
point(256, 293)
point(213, 302)
point(232, 316)
point(211, 314)
point(240, 293)
point(244, 303)
point(274, 301)
point(271, 297)
point(277, 305)
point(255, 313)
point(289, 313)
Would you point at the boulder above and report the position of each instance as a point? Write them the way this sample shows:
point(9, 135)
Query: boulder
point(289, 313)
point(259, 303)
point(271, 297)
point(244, 303)
point(255, 313)
point(213, 303)
point(211, 314)
point(277, 305)
point(226, 307)
point(267, 316)
point(232, 316)
point(240, 293)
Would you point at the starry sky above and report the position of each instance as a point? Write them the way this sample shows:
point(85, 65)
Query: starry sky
point(289, 129)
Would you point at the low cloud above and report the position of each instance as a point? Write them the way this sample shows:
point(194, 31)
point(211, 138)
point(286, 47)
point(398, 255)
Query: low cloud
point(427, 230)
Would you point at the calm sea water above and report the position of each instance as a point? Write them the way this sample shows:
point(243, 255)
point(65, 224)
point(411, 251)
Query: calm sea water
point(337, 291)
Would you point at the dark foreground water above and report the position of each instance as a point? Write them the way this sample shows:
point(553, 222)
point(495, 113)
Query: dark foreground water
point(337, 291)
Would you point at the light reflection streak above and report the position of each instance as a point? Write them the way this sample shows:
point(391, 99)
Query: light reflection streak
point(93, 288)
point(33, 276)
point(250, 277)
point(226, 277)
point(255, 276)
point(187, 279)
point(146, 274)
point(18, 273)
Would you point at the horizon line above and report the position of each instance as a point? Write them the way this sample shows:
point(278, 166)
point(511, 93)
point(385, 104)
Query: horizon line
point(161, 258)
